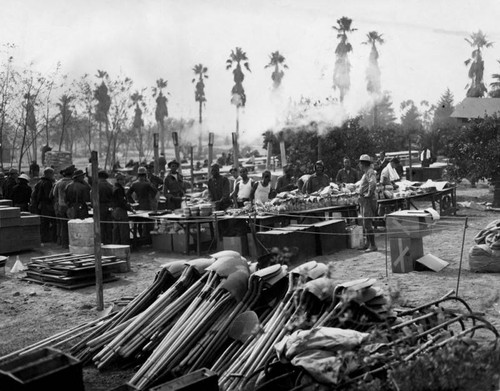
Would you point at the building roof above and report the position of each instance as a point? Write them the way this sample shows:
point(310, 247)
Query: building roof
point(476, 108)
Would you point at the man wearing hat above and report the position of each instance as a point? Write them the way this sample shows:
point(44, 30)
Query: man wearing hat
point(121, 227)
point(105, 203)
point(60, 207)
point(43, 202)
point(367, 201)
point(218, 189)
point(318, 180)
point(9, 183)
point(174, 187)
point(77, 196)
point(145, 193)
point(21, 194)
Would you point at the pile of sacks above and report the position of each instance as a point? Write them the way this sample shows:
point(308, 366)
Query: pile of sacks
point(484, 256)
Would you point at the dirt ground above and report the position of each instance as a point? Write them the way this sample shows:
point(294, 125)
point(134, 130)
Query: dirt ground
point(30, 312)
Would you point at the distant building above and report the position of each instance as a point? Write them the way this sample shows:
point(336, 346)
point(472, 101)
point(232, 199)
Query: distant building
point(473, 108)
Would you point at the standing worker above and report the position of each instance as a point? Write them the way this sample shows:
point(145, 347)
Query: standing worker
point(347, 174)
point(318, 180)
point(60, 207)
point(145, 192)
point(261, 190)
point(21, 194)
point(9, 183)
point(105, 203)
point(43, 202)
point(286, 182)
point(218, 189)
point(121, 227)
point(77, 196)
point(367, 201)
point(174, 188)
point(242, 189)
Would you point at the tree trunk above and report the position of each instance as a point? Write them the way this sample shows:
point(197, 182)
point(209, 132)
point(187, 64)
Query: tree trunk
point(496, 191)
point(200, 147)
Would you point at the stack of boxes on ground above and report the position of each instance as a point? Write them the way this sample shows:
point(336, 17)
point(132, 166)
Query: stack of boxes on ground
point(19, 231)
point(405, 230)
point(81, 242)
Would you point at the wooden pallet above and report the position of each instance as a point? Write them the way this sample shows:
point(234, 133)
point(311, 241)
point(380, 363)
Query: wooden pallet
point(70, 271)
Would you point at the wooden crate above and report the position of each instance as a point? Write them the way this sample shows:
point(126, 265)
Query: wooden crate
point(409, 224)
point(404, 253)
point(330, 236)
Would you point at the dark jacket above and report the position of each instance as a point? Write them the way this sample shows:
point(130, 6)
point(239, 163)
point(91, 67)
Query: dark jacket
point(8, 186)
point(174, 189)
point(42, 198)
point(145, 193)
point(21, 195)
point(77, 193)
point(119, 199)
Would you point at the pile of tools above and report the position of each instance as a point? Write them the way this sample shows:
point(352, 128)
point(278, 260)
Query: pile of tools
point(71, 271)
point(242, 320)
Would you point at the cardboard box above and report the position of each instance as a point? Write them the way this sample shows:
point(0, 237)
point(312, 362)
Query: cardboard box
point(162, 242)
point(330, 236)
point(404, 253)
point(409, 224)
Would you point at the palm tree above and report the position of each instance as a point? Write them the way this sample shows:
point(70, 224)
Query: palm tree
point(65, 110)
point(161, 111)
point(341, 78)
point(495, 92)
point(138, 123)
point(103, 104)
point(200, 72)
point(373, 70)
point(276, 59)
point(476, 89)
point(238, 97)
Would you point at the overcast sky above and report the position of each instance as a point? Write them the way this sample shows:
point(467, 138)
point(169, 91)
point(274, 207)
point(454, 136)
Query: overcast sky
point(423, 54)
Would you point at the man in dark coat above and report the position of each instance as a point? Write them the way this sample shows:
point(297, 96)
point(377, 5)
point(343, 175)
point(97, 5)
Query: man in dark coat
point(77, 196)
point(145, 192)
point(44, 203)
point(9, 183)
point(218, 189)
point(174, 187)
point(59, 197)
point(105, 204)
point(21, 194)
point(121, 226)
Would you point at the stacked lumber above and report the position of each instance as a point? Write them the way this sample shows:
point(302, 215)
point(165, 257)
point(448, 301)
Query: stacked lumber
point(70, 271)
point(58, 160)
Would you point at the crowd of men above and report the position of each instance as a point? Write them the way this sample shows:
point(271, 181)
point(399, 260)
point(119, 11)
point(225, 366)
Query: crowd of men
point(68, 196)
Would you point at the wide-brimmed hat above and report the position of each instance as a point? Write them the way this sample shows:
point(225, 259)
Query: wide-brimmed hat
point(103, 174)
point(365, 158)
point(25, 177)
point(173, 162)
point(77, 174)
point(319, 163)
point(142, 171)
point(13, 171)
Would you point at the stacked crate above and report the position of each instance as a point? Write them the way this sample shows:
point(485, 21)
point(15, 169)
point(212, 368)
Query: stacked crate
point(18, 231)
point(10, 229)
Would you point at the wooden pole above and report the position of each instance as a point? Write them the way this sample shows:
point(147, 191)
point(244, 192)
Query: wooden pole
point(283, 153)
point(269, 154)
point(155, 151)
point(409, 153)
point(236, 152)
point(461, 256)
point(175, 139)
point(210, 152)
point(191, 156)
point(97, 231)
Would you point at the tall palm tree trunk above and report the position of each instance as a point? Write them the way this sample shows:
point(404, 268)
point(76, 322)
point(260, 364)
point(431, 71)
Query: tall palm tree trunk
point(200, 122)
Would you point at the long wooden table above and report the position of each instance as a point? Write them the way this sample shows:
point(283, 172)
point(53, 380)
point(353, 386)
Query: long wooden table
point(444, 201)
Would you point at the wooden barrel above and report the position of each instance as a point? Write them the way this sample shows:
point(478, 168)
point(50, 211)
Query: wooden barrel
point(120, 251)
